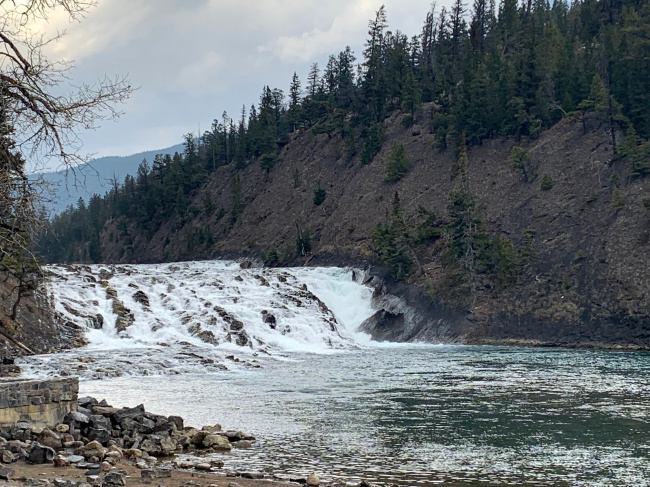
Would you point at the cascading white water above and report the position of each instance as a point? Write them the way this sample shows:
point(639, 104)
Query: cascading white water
point(173, 318)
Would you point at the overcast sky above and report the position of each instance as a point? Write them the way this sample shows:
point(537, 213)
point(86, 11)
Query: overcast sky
point(193, 59)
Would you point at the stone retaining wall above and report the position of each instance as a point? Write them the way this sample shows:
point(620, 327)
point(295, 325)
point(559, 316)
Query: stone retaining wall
point(42, 402)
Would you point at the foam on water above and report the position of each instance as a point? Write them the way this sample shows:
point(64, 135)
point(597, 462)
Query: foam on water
point(200, 312)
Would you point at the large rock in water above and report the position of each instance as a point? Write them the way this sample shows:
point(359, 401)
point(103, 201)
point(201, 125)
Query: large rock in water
point(217, 442)
point(383, 325)
point(124, 316)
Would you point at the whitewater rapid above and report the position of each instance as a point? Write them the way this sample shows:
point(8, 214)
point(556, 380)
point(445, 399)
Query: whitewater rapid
point(187, 317)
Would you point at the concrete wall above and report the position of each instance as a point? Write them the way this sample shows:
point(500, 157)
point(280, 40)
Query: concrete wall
point(43, 402)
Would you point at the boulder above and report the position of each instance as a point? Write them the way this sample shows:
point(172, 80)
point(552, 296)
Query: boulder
point(41, 454)
point(8, 457)
point(198, 437)
point(115, 451)
point(85, 402)
point(158, 445)
point(216, 442)
point(6, 473)
point(100, 435)
point(50, 438)
point(73, 444)
point(156, 473)
point(207, 336)
point(92, 450)
point(184, 442)
point(142, 298)
point(177, 420)
point(61, 461)
point(104, 410)
point(76, 417)
point(100, 421)
point(16, 446)
point(131, 413)
point(133, 453)
point(236, 325)
point(252, 475)
point(242, 339)
point(114, 478)
point(269, 319)
point(242, 444)
point(313, 480)
point(233, 435)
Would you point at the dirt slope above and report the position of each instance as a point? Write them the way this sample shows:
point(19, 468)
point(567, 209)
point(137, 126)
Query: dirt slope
point(588, 283)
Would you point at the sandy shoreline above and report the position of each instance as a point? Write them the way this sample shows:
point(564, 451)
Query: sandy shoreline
point(34, 475)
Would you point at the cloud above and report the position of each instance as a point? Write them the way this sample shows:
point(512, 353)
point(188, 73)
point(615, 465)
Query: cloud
point(343, 29)
point(193, 59)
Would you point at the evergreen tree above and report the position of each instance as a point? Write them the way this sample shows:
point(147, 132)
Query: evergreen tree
point(391, 242)
point(313, 80)
point(398, 164)
point(319, 195)
point(374, 82)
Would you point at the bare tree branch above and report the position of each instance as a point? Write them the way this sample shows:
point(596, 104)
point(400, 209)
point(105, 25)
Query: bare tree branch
point(41, 116)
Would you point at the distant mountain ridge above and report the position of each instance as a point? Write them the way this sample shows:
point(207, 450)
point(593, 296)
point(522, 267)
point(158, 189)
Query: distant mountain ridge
point(95, 176)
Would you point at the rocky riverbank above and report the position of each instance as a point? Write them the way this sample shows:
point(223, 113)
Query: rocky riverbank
point(102, 446)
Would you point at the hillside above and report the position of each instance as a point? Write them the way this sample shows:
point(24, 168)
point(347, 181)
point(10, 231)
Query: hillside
point(493, 170)
point(95, 177)
point(587, 282)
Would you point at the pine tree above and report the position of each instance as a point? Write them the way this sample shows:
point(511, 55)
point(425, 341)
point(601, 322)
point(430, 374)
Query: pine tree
point(373, 82)
point(398, 164)
point(236, 199)
point(313, 80)
point(391, 242)
point(319, 195)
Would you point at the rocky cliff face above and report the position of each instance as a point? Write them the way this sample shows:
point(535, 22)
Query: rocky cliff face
point(35, 330)
point(587, 281)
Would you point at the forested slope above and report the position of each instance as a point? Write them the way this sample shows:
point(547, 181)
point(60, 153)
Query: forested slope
point(496, 163)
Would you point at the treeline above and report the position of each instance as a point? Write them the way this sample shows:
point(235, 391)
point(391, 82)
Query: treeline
point(485, 71)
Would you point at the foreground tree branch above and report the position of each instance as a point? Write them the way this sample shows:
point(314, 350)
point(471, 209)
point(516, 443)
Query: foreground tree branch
point(41, 116)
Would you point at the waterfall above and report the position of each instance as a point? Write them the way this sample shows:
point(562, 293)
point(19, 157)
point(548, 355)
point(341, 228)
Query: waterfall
point(173, 318)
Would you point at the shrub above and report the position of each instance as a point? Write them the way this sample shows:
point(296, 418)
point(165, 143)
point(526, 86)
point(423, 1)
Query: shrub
point(398, 163)
point(270, 257)
point(319, 195)
point(547, 183)
point(303, 243)
point(267, 161)
point(374, 138)
point(430, 228)
point(617, 199)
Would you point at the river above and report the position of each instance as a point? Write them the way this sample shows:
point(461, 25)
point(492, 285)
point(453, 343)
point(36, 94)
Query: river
point(325, 398)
